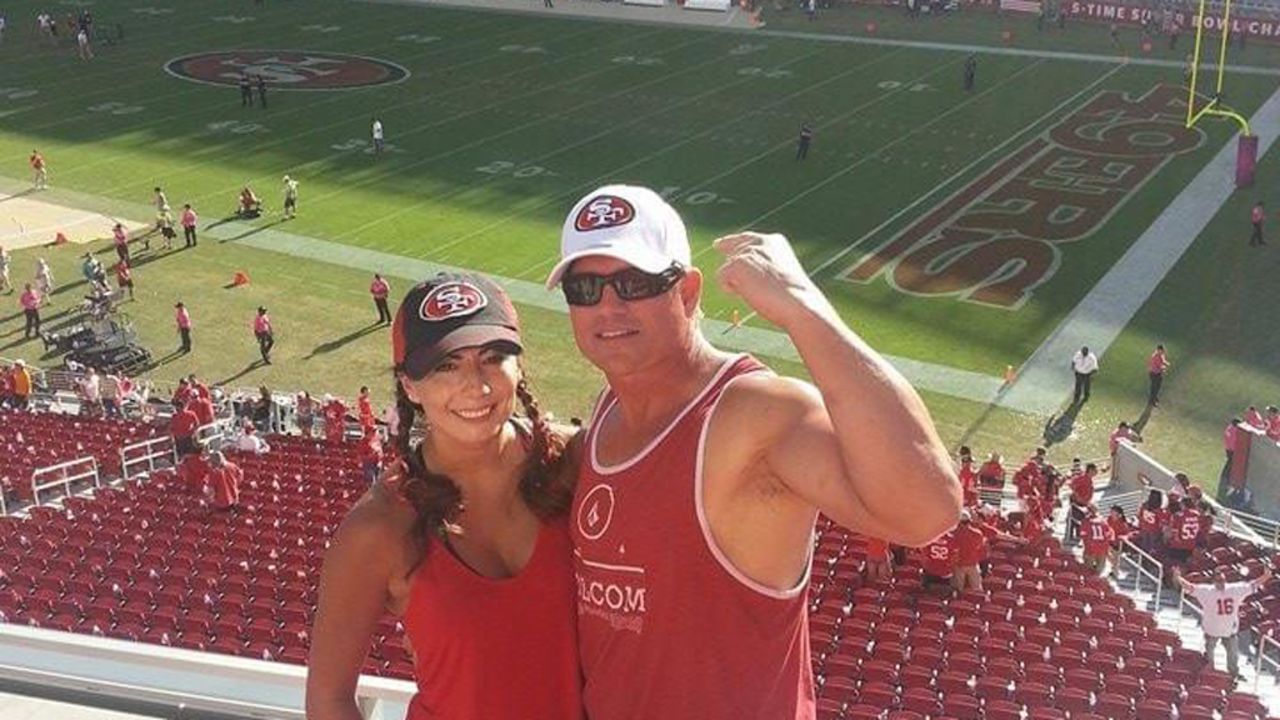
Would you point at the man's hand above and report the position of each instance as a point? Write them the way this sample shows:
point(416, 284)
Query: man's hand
point(763, 270)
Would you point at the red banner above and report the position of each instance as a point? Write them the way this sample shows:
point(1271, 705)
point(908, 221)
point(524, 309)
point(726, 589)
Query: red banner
point(1264, 29)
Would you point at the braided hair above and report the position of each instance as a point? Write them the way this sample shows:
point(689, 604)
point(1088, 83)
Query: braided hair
point(436, 498)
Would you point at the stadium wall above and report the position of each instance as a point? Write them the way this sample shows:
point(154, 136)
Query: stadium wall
point(1263, 475)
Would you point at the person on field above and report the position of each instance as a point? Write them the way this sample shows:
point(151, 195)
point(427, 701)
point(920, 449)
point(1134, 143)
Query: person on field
point(40, 169)
point(703, 471)
point(1257, 216)
point(290, 197)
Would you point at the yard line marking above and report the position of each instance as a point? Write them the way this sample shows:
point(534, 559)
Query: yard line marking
point(1097, 320)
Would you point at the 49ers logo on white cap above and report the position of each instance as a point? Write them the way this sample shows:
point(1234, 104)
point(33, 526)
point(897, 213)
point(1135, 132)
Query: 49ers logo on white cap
point(451, 300)
point(604, 211)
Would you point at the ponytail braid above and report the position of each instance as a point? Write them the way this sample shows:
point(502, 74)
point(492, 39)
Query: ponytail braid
point(435, 498)
point(543, 485)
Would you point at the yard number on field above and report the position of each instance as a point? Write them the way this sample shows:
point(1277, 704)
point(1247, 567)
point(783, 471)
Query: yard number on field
point(364, 146)
point(633, 60)
point(416, 38)
point(233, 19)
point(13, 93)
point(115, 108)
point(747, 49)
point(526, 49)
point(236, 127)
point(320, 28)
point(702, 197)
point(153, 11)
point(505, 167)
point(909, 87)
point(763, 72)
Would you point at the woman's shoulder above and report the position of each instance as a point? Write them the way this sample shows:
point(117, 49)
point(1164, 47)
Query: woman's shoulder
point(380, 515)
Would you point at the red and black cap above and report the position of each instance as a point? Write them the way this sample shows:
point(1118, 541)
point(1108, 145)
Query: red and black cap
point(447, 313)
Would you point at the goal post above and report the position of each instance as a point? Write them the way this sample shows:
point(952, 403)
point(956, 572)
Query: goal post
point(1247, 142)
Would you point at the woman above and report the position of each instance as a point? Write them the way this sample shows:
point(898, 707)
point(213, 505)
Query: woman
point(466, 540)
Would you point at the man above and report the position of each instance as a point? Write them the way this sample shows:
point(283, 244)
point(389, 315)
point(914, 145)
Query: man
point(261, 84)
point(30, 302)
point(335, 419)
point(1273, 422)
point(1256, 217)
point(246, 91)
point(1084, 363)
point(380, 289)
point(377, 136)
point(290, 197)
point(222, 483)
point(1157, 365)
point(22, 384)
point(124, 277)
point(1098, 536)
point(369, 453)
point(1081, 500)
point(202, 407)
point(112, 394)
point(968, 481)
point(707, 471)
point(971, 551)
point(1181, 534)
point(1220, 605)
point(806, 137)
point(183, 320)
point(992, 473)
point(1230, 436)
point(1122, 432)
point(182, 427)
point(1253, 417)
point(970, 72)
point(189, 219)
point(40, 169)
point(937, 565)
point(264, 334)
point(250, 441)
point(5, 284)
point(364, 408)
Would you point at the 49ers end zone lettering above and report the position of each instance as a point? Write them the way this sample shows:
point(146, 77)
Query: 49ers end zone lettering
point(288, 69)
point(1000, 237)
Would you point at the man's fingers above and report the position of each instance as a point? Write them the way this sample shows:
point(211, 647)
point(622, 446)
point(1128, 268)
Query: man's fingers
point(730, 244)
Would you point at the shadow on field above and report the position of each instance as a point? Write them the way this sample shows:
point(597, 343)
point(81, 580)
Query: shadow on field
point(345, 339)
point(247, 369)
point(1058, 429)
point(254, 231)
point(24, 193)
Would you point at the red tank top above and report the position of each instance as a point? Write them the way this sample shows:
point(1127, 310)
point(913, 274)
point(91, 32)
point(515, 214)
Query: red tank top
point(668, 628)
point(488, 648)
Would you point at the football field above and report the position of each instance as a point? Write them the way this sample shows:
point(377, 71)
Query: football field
point(954, 229)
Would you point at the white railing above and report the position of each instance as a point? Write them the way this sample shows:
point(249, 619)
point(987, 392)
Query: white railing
point(1254, 528)
point(207, 682)
point(147, 452)
point(1262, 660)
point(214, 432)
point(1143, 566)
point(64, 475)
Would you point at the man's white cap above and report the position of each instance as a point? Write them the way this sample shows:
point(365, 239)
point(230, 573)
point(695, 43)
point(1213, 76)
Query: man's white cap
point(633, 224)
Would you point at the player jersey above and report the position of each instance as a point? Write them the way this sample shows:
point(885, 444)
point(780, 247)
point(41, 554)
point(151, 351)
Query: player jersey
point(1097, 535)
point(668, 627)
point(970, 545)
point(1082, 489)
point(1186, 529)
point(1151, 521)
point(938, 558)
point(969, 484)
point(1220, 609)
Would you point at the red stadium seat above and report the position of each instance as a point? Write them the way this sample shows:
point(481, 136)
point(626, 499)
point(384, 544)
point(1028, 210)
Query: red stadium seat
point(1154, 710)
point(1002, 710)
point(962, 706)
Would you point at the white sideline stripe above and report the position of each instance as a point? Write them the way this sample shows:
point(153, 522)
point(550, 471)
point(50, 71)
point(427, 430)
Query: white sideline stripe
point(1046, 380)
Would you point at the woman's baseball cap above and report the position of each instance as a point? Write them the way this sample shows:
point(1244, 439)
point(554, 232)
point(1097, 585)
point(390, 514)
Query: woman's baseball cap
point(631, 223)
point(447, 313)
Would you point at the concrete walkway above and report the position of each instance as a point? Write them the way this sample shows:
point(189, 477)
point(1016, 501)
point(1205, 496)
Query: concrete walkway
point(669, 14)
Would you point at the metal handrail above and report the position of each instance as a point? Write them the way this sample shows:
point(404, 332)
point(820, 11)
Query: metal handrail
point(65, 478)
point(149, 454)
point(1143, 558)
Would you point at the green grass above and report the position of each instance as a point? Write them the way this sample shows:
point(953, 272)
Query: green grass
point(494, 145)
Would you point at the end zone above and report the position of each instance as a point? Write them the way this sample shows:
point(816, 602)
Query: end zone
point(26, 222)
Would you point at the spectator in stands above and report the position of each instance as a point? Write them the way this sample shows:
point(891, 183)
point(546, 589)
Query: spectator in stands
point(879, 564)
point(263, 409)
point(1119, 524)
point(202, 406)
point(1157, 365)
point(970, 550)
point(1085, 365)
point(191, 472)
point(369, 452)
point(22, 384)
point(1152, 519)
point(1253, 417)
point(1273, 422)
point(1122, 432)
point(223, 482)
point(30, 300)
point(1207, 516)
point(6, 387)
point(938, 563)
point(249, 441)
point(364, 408)
point(1181, 535)
point(992, 474)
point(482, 497)
point(1034, 514)
point(784, 449)
point(335, 419)
point(968, 481)
point(1098, 539)
point(1220, 604)
point(183, 429)
point(305, 413)
point(1240, 498)
point(1081, 500)
point(111, 394)
point(91, 393)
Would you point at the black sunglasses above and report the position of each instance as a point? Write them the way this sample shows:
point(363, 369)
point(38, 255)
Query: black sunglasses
point(586, 289)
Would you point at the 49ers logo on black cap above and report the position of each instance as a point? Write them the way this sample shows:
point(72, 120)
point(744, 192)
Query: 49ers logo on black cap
point(604, 211)
point(451, 300)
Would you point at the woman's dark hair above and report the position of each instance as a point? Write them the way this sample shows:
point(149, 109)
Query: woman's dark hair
point(1118, 509)
point(437, 500)
point(1155, 500)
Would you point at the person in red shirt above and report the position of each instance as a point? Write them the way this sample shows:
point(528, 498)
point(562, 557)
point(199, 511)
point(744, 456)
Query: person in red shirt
point(1181, 535)
point(1124, 530)
point(938, 561)
point(970, 551)
point(1028, 479)
point(124, 277)
point(1256, 217)
point(1033, 516)
point(1157, 365)
point(1273, 422)
point(1253, 417)
point(1081, 498)
point(40, 169)
point(335, 419)
point(879, 565)
point(223, 482)
point(1098, 536)
point(1122, 432)
point(191, 472)
point(1152, 518)
point(968, 482)
point(202, 407)
point(183, 320)
point(380, 289)
point(991, 474)
point(364, 408)
point(182, 426)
